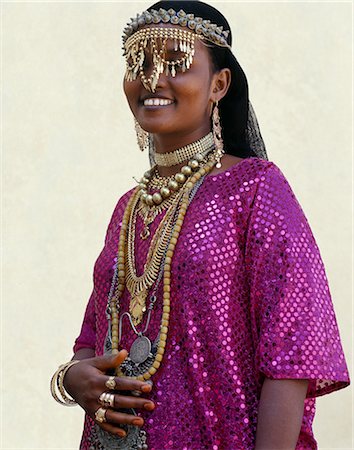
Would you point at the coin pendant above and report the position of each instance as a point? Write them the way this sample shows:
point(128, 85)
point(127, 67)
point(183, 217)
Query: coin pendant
point(140, 349)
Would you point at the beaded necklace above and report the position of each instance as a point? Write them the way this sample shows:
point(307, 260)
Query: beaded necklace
point(113, 308)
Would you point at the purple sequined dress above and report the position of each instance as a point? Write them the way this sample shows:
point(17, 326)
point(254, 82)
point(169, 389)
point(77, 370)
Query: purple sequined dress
point(249, 299)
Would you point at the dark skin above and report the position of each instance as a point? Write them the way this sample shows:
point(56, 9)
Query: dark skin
point(186, 119)
point(85, 382)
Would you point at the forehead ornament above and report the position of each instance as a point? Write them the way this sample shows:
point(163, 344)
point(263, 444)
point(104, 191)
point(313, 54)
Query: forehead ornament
point(136, 41)
point(155, 39)
point(212, 32)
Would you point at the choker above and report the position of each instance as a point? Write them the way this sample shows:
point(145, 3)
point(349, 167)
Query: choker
point(187, 152)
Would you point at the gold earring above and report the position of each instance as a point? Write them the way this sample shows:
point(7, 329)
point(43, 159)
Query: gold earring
point(142, 136)
point(219, 144)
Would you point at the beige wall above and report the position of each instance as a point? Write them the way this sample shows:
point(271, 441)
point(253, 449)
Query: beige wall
point(69, 153)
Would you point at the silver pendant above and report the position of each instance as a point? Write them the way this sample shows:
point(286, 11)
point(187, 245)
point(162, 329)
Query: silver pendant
point(140, 349)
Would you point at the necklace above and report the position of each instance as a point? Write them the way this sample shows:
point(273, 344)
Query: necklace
point(184, 153)
point(114, 305)
point(138, 286)
point(148, 214)
point(144, 357)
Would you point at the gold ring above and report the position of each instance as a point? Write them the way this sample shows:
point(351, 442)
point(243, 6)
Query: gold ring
point(107, 399)
point(100, 415)
point(111, 383)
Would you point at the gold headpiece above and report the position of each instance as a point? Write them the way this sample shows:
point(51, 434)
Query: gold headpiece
point(155, 38)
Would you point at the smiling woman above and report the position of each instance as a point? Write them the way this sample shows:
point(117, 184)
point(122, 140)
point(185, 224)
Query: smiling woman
point(211, 324)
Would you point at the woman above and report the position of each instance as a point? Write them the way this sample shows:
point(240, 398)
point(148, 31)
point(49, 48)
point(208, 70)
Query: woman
point(210, 276)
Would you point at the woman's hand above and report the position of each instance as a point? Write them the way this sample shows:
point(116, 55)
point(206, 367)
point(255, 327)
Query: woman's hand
point(85, 382)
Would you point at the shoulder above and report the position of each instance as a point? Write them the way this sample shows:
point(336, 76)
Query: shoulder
point(256, 171)
point(118, 212)
point(266, 174)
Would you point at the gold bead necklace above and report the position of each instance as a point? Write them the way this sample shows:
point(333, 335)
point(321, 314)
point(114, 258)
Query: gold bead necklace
point(181, 209)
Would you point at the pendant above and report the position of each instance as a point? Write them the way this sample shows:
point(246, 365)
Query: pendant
point(140, 350)
point(145, 233)
point(137, 306)
point(148, 218)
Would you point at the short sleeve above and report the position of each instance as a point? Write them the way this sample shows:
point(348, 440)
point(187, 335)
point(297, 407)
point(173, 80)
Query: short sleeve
point(87, 336)
point(293, 321)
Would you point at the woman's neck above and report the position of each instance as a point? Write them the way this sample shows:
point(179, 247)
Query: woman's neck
point(167, 144)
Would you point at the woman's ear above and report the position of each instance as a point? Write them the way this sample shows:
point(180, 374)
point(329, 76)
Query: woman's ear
point(220, 84)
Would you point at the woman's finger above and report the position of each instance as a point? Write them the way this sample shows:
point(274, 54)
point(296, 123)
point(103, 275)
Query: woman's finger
point(125, 384)
point(127, 401)
point(117, 418)
point(112, 429)
point(107, 362)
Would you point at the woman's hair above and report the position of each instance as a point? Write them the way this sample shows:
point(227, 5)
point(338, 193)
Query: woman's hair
point(234, 107)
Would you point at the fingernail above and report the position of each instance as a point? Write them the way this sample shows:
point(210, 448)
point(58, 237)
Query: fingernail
point(149, 406)
point(146, 387)
point(121, 433)
point(137, 422)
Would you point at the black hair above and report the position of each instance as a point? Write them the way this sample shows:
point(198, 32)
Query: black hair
point(234, 107)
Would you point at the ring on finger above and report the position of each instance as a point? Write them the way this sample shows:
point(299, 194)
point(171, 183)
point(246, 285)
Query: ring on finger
point(107, 399)
point(111, 383)
point(100, 415)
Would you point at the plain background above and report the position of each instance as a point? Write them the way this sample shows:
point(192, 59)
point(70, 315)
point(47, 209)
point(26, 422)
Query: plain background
point(69, 153)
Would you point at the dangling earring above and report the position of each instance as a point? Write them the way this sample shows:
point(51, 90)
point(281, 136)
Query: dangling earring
point(142, 136)
point(219, 144)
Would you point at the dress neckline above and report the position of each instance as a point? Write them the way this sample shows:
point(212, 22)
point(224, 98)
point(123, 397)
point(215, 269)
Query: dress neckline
point(229, 170)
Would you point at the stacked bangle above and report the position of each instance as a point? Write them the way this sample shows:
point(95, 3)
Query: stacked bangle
point(57, 385)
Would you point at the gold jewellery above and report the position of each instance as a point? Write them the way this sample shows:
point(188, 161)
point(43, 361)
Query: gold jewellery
point(107, 399)
point(114, 305)
point(100, 415)
point(184, 153)
point(201, 27)
point(111, 383)
point(57, 385)
point(155, 41)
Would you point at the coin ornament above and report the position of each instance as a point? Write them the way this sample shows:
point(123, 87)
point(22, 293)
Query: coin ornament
point(140, 350)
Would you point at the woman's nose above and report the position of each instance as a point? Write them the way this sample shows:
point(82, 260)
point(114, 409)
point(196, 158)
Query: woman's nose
point(152, 79)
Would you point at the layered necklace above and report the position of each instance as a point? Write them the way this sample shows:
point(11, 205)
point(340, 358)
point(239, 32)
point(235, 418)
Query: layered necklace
point(145, 356)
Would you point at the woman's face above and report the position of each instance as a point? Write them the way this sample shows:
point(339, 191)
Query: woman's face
point(188, 96)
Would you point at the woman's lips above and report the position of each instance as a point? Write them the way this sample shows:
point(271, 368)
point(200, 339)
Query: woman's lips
point(157, 102)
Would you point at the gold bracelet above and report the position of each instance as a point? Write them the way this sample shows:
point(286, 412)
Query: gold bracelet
point(57, 385)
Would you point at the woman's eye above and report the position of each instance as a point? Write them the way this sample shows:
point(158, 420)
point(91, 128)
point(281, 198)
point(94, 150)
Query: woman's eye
point(173, 56)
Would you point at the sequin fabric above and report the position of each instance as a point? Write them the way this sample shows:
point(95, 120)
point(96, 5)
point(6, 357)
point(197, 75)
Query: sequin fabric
point(249, 299)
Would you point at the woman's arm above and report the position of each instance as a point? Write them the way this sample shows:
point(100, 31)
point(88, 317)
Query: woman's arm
point(84, 353)
point(280, 413)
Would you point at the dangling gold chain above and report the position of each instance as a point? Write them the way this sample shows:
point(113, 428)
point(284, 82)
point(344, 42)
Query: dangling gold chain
point(180, 210)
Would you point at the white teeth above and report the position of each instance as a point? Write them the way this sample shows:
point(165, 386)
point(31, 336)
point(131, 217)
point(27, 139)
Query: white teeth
point(157, 102)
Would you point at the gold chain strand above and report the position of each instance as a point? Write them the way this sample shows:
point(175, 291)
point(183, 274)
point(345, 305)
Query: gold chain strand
point(139, 285)
point(121, 272)
point(149, 214)
point(167, 276)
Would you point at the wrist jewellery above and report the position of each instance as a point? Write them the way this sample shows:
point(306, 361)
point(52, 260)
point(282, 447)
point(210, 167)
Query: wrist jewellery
point(57, 385)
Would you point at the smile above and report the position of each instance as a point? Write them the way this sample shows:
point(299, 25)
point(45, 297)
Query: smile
point(157, 102)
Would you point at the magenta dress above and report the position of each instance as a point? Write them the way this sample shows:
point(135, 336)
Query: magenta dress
point(249, 300)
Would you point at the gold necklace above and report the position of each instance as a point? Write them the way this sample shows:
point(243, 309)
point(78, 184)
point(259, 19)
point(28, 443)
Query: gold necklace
point(148, 214)
point(138, 286)
point(114, 301)
point(184, 153)
point(179, 179)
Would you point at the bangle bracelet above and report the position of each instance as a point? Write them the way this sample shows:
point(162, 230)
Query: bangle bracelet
point(57, 385)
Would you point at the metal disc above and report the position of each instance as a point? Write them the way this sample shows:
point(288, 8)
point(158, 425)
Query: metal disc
point(140, 349)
